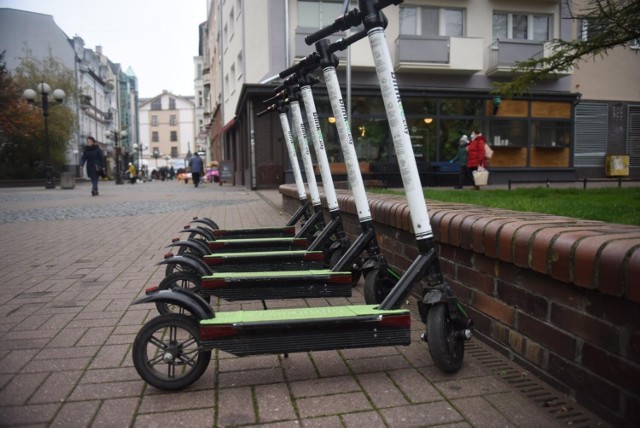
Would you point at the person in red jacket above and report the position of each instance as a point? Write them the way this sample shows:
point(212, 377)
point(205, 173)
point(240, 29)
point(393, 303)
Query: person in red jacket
point(475, 154)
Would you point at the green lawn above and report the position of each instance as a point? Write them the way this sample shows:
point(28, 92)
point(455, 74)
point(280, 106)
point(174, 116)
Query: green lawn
point(612, 205)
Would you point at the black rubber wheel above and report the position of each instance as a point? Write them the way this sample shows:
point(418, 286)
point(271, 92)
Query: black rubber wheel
point(187, 280)
point(377, 285)
point(445, 348)
point(355, 270)
point(175, 267)
point(166, 352)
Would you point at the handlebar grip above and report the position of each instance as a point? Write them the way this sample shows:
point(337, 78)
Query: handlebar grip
point(269, 109)
point(322, 33)
point(342, 44)
point(288, 71)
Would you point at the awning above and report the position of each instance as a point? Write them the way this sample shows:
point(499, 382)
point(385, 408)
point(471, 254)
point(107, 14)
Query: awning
point(225, 128)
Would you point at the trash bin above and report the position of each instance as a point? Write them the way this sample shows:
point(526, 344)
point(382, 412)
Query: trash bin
point(67, 180)
point(617, 166)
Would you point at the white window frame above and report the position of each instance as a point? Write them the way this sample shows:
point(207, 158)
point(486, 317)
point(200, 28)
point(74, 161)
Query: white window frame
point(442, 22)
point(530, 20)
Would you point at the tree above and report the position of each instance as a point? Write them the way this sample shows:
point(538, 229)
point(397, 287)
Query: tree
point(22, 125)
point(603, 24)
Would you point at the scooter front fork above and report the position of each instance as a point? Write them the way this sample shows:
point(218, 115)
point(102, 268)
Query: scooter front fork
point(442, 294)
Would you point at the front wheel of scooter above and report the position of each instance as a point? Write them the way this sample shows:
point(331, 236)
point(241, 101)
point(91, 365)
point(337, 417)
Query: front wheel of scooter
point(446, 348)
point(182, 279)
point(166, 352)
point(377, 285)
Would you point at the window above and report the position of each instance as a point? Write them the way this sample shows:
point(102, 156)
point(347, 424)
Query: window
point(173, 136)
point(232, 78)
point(240, 65)
point(156, 104)
point(154, 120)
point(154, 137)
point(173, 120)
point(231, 24)
point(432, 21)
point(318, 13)
point(521, 27)
point(172, 103)
point(174, 151)
point(200, 103)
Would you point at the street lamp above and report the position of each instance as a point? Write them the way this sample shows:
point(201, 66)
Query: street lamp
point(58, 95)
point(138, 148)
point(114, 135)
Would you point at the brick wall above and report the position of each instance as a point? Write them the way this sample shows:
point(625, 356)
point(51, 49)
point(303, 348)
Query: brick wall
point(558, 295)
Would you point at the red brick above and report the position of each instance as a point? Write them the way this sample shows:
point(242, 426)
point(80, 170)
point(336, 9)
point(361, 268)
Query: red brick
point(553, 290)
point(464, 257)
point(539, 258)
point(522, 245)
point(491, 233)
point(611, 266)
point(505, 250)
point(475, 280)
point(612, 368)
point(466, 230)
point(445, 226)
point(555, 340)
point(406, 220)
point(633, 273)
point(562, 253)
point(486, 265)
point(617, 311)
point(586, 257)
point(494, 308)
point(583, 381)
point(520, 299)
point(589, 328)
point(477, 234)
point(455, 232)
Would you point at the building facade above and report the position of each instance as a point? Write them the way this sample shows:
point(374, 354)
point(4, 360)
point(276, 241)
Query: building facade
point(167, 130)
point(106, 96)
point(447, 55)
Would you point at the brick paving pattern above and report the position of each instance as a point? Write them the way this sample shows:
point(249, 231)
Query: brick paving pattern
point(72, 265)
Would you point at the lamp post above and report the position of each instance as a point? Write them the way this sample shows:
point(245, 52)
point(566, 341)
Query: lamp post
point(115, 135)
point(58, 95)
point(138, 149)
point(75, 153)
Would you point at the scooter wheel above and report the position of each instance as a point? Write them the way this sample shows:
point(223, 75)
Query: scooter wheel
point(166, 352)
point(377, 285)
point(187, 280)
point(174, 268)
point(356, 272)
point(445, 348)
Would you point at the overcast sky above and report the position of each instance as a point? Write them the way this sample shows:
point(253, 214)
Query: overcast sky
point(156, 38)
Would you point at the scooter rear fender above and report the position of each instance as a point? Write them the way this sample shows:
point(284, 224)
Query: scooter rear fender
point(190, 262)
point(189, 243)
point(182, 298)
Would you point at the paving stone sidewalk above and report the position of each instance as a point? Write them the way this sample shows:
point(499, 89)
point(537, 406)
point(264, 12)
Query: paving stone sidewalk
point(71, 266)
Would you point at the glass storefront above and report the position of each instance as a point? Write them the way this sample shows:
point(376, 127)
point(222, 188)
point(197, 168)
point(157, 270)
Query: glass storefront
point(522, 133)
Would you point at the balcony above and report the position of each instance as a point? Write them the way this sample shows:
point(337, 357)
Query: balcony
point(504, 54)
point(457, 55)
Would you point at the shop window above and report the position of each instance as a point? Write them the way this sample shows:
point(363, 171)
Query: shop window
point(461, 107)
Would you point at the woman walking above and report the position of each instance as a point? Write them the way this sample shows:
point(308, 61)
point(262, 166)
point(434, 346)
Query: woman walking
point(93, 157)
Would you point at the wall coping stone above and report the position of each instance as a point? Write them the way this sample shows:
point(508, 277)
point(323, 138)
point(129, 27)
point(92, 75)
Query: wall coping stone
point(589, 254)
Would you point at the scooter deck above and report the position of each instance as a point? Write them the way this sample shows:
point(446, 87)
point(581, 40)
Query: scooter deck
point(262, 244)
point(277, 284)
point(306, 329)
point(265, 260)
point(260, 232)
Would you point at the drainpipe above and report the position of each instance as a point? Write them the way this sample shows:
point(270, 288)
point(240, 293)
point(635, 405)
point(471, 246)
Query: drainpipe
point(286, 34)
point(252, 141)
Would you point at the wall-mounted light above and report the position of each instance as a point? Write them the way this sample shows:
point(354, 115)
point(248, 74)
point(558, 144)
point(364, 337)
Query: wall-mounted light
point(428, 120)
point(332, 119)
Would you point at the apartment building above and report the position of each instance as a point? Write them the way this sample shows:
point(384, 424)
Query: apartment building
point(167, 130)
point(106, 96)
point(447, 55)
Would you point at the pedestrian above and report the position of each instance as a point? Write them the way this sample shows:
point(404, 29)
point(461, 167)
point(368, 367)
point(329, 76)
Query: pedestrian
point(461, 159)
point(132, 173)
point(475, 154)
point(197, 168)
point(94, 158)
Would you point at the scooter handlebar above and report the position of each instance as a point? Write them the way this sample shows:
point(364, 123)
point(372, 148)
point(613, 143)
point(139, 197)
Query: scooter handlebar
point(346, 21)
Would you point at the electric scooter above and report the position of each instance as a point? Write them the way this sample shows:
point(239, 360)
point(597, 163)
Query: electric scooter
point(172, 351)
point(230, 284)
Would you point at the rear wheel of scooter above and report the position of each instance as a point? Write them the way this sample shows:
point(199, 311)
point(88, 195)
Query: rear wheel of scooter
point(166, 352)
point(446, 349)
point(176, 267)
point(356, 272)
point(377, 285)
point(187, 280)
